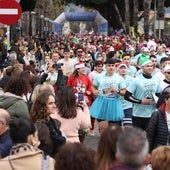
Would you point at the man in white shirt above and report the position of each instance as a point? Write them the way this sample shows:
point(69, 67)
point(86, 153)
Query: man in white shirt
point(68, 63)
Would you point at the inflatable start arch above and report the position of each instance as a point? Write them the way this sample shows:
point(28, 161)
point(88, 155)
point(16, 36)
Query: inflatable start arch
point(81, 16)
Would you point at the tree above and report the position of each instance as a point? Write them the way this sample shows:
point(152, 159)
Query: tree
point(110, 9)
point(160, 10)
point(146, 6)
point(127, 17)
point(28, 5)
point(167, 3)
point(135, 15)
point(116, 11)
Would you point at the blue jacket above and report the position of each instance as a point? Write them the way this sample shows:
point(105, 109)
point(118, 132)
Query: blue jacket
point(5, 144)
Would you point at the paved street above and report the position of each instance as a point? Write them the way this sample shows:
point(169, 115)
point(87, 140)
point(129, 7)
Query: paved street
point(92, 141)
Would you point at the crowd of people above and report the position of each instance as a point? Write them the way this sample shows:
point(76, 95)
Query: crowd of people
point(53, 90)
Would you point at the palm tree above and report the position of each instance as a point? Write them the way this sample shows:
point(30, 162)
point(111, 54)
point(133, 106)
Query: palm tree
point(160, 13)
point(117, 14)
point(160, 10)
point(146, 7)
point(127, 16)
point(135, 15)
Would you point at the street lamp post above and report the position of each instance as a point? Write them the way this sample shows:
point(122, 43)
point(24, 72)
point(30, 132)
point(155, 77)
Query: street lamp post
point(41, 24)
point(155, 17)
point(33, 21)
point(30, 23)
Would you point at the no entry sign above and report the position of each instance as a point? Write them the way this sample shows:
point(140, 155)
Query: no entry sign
point(10, 12)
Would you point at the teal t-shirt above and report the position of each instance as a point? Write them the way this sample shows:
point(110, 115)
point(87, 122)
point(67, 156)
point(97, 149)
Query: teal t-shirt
point(131, 71)
point(142, 87)
point(126, 104)
point(105, 83)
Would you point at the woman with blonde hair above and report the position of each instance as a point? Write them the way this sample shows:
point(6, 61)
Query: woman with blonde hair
point(160, 158)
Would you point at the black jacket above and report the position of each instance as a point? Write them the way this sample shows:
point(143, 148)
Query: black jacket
point(61, 80)
point(157, 131)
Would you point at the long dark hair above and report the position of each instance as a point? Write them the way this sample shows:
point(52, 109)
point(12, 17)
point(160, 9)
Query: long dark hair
point(66, 103)
point(44, 137)
point(16, 86)
point(75, 73)
point(39, 108)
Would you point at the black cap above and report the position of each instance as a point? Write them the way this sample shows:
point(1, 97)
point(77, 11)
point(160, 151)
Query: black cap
point(112, 61)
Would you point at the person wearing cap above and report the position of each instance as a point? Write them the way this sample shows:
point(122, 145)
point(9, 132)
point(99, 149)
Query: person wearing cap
point(158, 131)
point(127, 106)
point(143, 51)
point(107, 87)
point(80, 82)
point(141, 92)
point(156, 71)
point(160, 75)
point(166, 82)
point(168, 53)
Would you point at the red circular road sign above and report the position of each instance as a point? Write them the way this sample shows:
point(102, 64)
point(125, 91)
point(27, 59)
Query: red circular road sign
point(10, 11)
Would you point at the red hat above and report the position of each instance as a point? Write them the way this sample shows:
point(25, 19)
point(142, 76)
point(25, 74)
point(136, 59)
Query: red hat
point(120, 65)
point(79, 65)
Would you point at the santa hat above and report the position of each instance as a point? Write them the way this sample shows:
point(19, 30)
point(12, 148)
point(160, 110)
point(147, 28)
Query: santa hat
point(111, 48)
point(130, 48)
point(144, 60)
point(79, 65)
point(145, 49)
point(121, 65)
point(168, 52)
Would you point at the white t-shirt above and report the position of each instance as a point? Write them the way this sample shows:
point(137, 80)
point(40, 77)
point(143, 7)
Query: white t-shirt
point(168, 120)
point(68, 66)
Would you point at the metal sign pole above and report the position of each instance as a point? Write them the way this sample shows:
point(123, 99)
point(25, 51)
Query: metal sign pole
point(155, 17)
point(8, 37)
